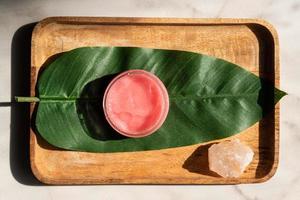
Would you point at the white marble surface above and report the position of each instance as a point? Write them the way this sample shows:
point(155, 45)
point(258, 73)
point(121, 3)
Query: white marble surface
point(284, 15)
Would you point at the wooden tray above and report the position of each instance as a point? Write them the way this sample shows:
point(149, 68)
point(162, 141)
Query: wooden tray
point(250, 43)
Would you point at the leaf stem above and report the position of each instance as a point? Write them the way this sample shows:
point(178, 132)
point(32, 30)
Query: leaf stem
point(27, 99)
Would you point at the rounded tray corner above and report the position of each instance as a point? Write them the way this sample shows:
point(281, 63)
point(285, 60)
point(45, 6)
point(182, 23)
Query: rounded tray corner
point(268, 27)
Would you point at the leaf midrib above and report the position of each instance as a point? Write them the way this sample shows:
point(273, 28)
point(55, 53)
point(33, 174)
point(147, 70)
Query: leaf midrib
point(181, 97)
point(171, 97)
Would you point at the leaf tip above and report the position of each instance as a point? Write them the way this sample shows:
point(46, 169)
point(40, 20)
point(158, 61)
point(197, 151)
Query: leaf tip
point(279, 94)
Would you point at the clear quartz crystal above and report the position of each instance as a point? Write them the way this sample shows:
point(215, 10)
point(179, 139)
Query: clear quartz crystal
point(229, 158)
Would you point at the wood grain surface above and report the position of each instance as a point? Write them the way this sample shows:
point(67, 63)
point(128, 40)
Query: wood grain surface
point(250, 43)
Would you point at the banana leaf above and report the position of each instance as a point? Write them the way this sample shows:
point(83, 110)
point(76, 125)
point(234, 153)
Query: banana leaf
point(210, 98)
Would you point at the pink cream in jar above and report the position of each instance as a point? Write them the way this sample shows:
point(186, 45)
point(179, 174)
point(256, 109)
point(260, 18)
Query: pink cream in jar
point(136, 103)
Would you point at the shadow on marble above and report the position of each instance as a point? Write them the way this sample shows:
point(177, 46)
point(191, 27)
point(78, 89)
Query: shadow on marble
point(5, 104)
point(20, 112)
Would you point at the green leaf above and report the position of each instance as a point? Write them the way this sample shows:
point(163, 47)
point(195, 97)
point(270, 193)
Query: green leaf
point(209, 98)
